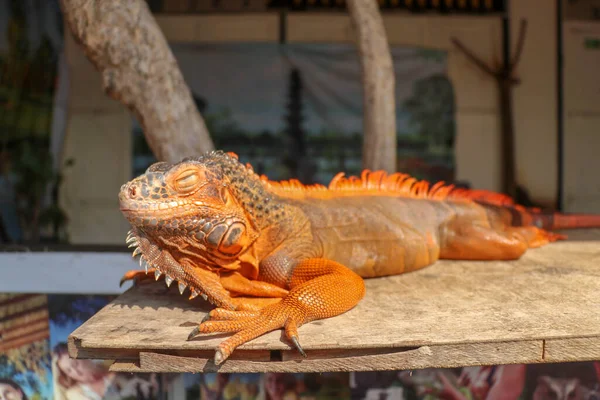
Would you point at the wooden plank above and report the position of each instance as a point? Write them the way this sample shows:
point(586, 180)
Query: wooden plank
point(546, 302)
point(575, 349)
point(347, 360)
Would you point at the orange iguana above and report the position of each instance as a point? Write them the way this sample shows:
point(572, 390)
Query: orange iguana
point(274, 255)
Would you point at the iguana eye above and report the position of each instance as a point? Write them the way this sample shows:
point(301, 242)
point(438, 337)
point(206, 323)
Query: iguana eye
point(187, 181)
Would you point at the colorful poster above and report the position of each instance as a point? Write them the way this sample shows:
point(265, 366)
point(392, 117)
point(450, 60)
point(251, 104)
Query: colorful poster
point(323, 386)
point(268, 386)
point(579, 381)
point(88, 379)
point(377, 385)
point(222, 386)
point(24, 349)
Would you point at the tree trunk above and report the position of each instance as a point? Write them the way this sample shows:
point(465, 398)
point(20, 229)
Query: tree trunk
point(509, 177)
point(123, 40)
point(379, 120)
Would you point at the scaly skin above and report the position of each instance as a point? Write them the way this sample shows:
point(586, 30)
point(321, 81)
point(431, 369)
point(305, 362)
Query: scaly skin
point(273, 255)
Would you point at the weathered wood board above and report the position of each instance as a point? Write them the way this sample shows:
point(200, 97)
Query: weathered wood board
point(542, 308)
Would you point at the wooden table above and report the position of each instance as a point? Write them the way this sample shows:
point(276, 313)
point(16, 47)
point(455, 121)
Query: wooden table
point(542, 308)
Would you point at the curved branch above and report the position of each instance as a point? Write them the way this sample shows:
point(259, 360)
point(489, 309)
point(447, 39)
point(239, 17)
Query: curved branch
point(520, 44)
point(474, 59)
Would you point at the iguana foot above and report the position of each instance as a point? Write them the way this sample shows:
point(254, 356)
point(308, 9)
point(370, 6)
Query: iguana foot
point(138, 275)
point(537, 237)
point(234, 282)
point(248, 325)
point(314, 294)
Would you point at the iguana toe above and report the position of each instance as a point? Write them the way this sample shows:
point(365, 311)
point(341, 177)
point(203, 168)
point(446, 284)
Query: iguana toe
point(136, 276)
point(248, 325)
point(222, 314)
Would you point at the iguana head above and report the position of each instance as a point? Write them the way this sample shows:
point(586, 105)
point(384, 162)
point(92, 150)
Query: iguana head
point(188, 212)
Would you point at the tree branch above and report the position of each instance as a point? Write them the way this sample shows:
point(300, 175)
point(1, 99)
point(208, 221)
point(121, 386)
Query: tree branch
point(474, 59)
point(520, 44)
point(124, 42)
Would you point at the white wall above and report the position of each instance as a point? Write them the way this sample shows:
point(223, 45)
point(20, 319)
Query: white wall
point(98, 138)
point(252, 27)
point(581, 118)
point(535, 99)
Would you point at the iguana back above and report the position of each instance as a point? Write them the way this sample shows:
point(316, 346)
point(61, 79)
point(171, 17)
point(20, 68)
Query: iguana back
point(377, 235)
point(385, 224)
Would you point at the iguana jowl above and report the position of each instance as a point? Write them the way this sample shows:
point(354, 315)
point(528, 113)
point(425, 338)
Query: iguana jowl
point(274, 255)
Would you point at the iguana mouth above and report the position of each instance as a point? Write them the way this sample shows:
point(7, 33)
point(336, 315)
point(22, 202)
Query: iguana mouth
point(161, 215)
point(153, 206)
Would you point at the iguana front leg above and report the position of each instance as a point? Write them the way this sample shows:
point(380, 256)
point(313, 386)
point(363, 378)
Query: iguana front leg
point(271, 293)
point(260, 293)
point(237, 284)
point(314, 294)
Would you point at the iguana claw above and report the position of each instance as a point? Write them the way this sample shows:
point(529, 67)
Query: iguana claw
point(219, 357)
point(206, 318)
point(123, 280)
point(195, 331)
point(135, 276)
point(294, 340)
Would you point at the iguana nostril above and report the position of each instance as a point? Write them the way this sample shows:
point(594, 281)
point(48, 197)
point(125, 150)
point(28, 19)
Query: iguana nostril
point(132, 191)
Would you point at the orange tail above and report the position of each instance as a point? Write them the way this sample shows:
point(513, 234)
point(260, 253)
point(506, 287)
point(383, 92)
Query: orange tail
point(522, 216)
point(552, 220)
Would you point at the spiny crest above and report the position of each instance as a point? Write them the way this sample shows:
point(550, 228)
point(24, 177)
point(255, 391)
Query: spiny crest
point(229, 164)
point(369, 183)
point(218, 158)
point(381, 183)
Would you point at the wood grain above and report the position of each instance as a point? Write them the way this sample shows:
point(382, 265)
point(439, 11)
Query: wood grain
point(542, 308)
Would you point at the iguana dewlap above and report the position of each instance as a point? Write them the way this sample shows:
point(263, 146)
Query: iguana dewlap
point(276, 255)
